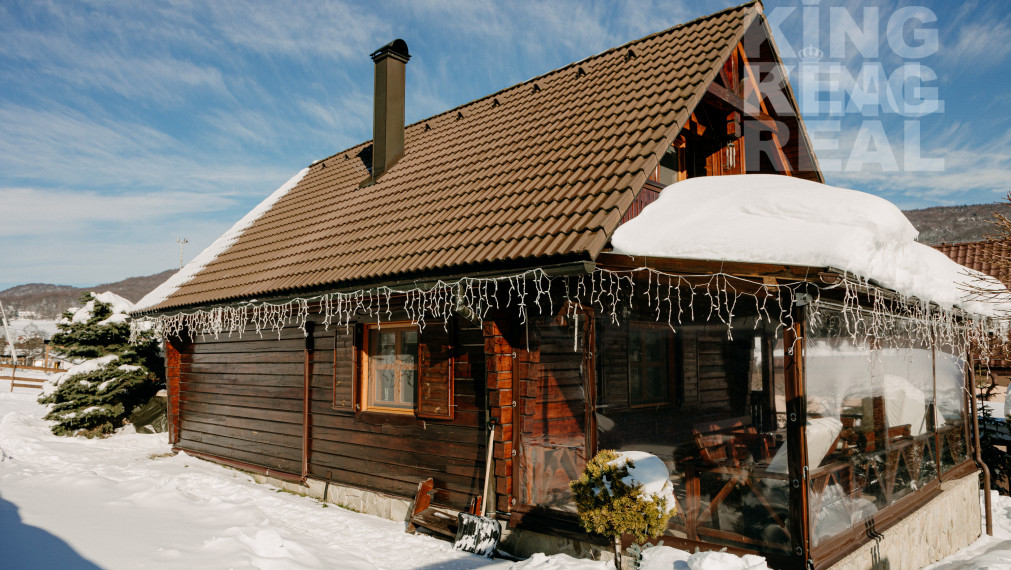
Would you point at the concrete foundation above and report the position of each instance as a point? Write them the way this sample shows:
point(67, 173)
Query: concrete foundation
point(522, 543)
point(938, 529)
point(946, 524)
point(359, 500)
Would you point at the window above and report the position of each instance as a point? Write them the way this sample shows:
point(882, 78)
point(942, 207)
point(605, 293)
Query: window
point(391, 367)
point(649, 349)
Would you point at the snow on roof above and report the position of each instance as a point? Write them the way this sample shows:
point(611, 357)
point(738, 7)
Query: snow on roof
point(221, 244)
point(767, 218)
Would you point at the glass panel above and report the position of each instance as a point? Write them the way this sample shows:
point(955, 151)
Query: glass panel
point(635, 383)
point(656, 345)
point(387, 386)
point(656, 384)
point(951, 411)
point(387, 346)
point(393, 356)
point(713, 440)
point(408, 376)
point(870, 419)
point(649, 375)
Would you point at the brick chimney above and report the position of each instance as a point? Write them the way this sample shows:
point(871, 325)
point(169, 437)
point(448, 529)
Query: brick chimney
point(388, 113)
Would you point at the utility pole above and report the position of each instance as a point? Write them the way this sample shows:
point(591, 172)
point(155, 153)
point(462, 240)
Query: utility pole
point(181, 242)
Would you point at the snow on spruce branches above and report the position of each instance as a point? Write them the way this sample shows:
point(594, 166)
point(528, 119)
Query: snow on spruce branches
point(112, 375)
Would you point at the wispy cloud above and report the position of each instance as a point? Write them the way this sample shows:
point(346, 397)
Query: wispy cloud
point(63, 147)
point(980, 47)
point(974, 171)
point(37, 211)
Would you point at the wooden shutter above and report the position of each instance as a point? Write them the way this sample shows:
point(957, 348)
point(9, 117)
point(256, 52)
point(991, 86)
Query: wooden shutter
point(435, 372)
point(345, 364)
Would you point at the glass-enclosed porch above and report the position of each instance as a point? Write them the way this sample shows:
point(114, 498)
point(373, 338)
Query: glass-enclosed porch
point(876, 402)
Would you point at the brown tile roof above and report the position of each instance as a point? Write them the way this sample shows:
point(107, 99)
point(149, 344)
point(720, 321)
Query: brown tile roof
point(540, 172)
point(989, 256)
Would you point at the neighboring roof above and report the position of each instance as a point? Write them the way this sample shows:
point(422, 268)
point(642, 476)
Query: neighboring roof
point(989, 256)
point(538, 173)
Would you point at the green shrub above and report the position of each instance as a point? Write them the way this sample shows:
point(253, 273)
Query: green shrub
point(612, 502)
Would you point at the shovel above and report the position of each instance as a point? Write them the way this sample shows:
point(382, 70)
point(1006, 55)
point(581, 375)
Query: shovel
point(477, 533)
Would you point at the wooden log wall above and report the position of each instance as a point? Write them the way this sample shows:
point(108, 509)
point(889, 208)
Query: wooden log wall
point(242, 400)
point(392, 453)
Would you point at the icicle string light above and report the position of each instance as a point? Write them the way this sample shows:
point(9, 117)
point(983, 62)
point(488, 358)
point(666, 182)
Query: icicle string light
point(870, 315)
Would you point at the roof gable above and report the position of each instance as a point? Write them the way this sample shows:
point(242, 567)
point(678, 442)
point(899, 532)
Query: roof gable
point(536, 173)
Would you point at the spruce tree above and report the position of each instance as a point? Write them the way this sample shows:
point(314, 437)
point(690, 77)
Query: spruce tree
point(993, 451)
point(97, 395)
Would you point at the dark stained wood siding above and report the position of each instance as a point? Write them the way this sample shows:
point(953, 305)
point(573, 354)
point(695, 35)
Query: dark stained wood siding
point(435, 374)
point(241, 398)
point(392, 454)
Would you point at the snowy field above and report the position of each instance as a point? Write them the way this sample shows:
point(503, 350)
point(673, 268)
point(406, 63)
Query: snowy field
point(127, 502)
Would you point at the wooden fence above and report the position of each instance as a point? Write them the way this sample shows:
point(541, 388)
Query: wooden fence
point(11, 373)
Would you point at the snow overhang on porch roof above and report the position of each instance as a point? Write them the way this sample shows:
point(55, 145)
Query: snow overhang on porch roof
point(539, 173)
point(769, 219)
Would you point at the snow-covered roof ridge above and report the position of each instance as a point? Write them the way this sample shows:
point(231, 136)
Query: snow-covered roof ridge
point(766, 218)
point(219, 245)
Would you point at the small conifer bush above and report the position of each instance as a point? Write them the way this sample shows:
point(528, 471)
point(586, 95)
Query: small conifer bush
point(612, 503)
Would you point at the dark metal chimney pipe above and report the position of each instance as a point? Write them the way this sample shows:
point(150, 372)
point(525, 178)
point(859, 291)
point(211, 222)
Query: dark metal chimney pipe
point(388, 115)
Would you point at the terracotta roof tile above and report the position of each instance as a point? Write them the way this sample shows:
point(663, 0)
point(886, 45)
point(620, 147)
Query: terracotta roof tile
point(541, 170)
point(990, 257)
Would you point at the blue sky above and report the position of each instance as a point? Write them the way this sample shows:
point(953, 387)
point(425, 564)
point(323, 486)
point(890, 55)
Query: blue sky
point(126, 125)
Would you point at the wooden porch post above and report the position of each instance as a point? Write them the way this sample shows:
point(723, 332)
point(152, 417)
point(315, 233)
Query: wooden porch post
point(796, 436)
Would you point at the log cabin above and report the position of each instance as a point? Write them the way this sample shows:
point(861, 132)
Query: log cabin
point(369, 325)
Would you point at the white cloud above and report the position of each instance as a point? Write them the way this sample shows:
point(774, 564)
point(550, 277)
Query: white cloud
point(979, 47)
point(66, 148)
point(37, 211)
point(319, 29)
point(974, 171)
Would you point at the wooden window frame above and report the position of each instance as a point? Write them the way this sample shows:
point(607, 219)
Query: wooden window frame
point(365, 392)
point(434, 386)
point(635, 327)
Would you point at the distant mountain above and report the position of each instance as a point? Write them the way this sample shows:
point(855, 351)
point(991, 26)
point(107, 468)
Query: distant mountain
point(49, 301)
point(956, 224)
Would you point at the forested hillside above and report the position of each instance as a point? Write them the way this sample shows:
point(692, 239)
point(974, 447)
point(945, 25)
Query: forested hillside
point(955, 224)
point(49, 301)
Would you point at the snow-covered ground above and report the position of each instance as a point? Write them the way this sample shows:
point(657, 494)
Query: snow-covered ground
point(25, 327)
point(127, 502)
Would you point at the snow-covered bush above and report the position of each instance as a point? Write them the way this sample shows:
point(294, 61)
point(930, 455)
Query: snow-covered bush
point(626, 492)
point(97, 395)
